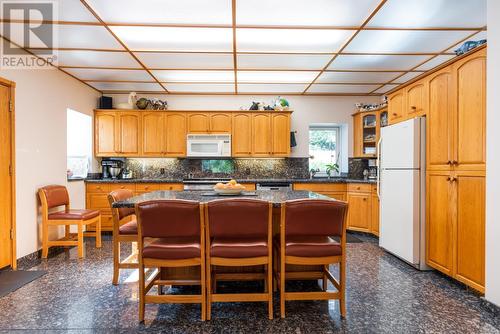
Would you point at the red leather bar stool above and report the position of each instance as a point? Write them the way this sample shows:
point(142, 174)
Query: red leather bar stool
point(239, 233)
point(306, 231)
point(178, 229)
point(54, 196)
point(124, 230)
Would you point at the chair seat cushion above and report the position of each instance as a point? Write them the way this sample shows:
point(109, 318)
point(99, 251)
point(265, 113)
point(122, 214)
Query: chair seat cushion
point(312, 246)
point(74, 214)
point(129, 228)
point(173, 248)
point(238, 247)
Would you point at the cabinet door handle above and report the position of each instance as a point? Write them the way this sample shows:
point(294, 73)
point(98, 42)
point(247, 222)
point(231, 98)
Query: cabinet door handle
point(454, 162)
point(448, 162)
point(413, 108)
point(394, 114)
point(448, 178)
point(364, 198)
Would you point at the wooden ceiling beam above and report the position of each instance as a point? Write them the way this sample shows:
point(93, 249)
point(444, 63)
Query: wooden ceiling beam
point(235, 56)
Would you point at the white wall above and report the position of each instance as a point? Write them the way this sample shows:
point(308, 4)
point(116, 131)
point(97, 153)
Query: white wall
point(42, 97)
point(307, 110)
point(493, 154)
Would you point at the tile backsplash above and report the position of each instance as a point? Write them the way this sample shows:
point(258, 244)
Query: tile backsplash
point(237, 168)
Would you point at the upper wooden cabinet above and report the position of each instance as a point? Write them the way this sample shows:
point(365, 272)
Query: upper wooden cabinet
point(163, 133)
point(280, 129)
point(396, 107)
point(209, 123)
point(470, 119)
point(416, 102)
point(366, 133)
point(241, 137)
point(357, 125)
point(261, 135)
point(105, 134)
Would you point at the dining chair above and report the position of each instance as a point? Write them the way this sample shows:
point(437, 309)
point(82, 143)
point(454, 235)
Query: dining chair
point(54, 196)
point(239, 234)
point(307, 231)
point(124, 230)
point(176, 232)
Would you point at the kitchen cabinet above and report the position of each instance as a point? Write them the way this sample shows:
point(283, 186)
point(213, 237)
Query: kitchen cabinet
point(357, 125)
point(366, 133)
point(439, 120)
point(241, 138)
point(105, 126)
point(175, 134)
point(261, 136)
point(334, 190)
point(280, 129)
point(470, 119)
point(375, 210)
point(359, 215)
point(125, 133)
point(209, 123)
point(129, 129)
point(153, 134)
point(415, 99)
point(396, 107)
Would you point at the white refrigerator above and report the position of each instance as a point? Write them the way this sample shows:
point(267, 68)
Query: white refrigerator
point(401, 187)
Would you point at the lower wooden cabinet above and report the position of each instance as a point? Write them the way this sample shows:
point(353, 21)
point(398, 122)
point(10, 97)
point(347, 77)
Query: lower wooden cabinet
point(362, 198)
point(455, 225)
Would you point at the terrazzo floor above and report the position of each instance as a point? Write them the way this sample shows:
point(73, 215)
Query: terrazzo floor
point(384, 295)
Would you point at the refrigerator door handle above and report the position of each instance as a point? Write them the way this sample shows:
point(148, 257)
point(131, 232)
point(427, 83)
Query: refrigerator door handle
point(379, 171)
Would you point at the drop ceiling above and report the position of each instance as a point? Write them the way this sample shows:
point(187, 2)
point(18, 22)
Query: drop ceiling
point(294, 47)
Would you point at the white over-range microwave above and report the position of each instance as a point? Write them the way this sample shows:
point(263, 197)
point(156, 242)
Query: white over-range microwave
point(210, 145)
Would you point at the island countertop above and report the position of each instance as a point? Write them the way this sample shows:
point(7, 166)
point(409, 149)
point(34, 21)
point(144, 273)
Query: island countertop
point(274, 196)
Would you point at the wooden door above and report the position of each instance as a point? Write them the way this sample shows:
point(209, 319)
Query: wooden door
point(470, 148)
point(375, 204)
point(470, 225)
point(415, 99)
point(439, 121)
point(359, 212)
point(280, 129)
point(6, 198)
point(220, 123)
point(241, 140)
point(129, 133)
point(106, 140)
point(175, 134)
point(357, 125)
point(261, 135)
point(439, 224)
point(396, 107)
point(198, 123)
point(153, 134)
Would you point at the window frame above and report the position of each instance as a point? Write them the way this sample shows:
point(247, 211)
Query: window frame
point(338, 144)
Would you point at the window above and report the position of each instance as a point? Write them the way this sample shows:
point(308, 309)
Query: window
point(79, 143)
point(324, 147)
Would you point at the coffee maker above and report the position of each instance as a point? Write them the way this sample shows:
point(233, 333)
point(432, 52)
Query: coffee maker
point(112, 168)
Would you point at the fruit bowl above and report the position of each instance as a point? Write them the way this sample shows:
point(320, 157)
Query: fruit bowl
point(230, 188)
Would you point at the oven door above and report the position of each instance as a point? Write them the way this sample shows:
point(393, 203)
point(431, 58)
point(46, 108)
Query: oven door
point(204, 148)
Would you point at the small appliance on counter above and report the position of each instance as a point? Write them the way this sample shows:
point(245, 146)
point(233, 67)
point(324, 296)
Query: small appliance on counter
point(112, 168)
point(127, 174)
point(372, 169)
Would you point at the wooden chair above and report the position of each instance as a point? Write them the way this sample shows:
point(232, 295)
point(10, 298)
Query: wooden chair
point(124, 230)
point(239, 233)
point(53, 196)
point(179, 230)
point(306, 229)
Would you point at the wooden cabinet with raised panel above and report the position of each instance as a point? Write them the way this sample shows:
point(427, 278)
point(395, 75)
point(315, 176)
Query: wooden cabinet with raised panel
point(153, 134)
point(359, 216)
point(198, 122)
point(209, 123)
point(396, 107)
point(129, 131)
point(375, 210)
point(439, 120)
point(334, 190)
point(175, 134)
point(105, 141)
point(357, 125)
point(280, 129)
point(439, 224)
point(416, 99)
point(220, 122)
point(241, 137)
point(261, 135)
point(470, 119)
point(470, 228)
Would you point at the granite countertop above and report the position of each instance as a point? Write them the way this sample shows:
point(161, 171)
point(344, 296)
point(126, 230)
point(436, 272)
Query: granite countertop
point(276, 197)
point(167, 180)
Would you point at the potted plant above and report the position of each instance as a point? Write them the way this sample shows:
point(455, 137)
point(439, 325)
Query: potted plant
point(330, 168)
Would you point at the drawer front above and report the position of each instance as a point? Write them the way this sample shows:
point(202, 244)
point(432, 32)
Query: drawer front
point(116, 186)
point(320, 187)
point(97, 201)
point(359, 187)
point(147, 187)
point(340, 195)
point(172, 186)
point(249, 186)
point(102, 188)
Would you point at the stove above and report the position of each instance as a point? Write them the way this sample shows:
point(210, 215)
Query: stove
point(202, 183)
